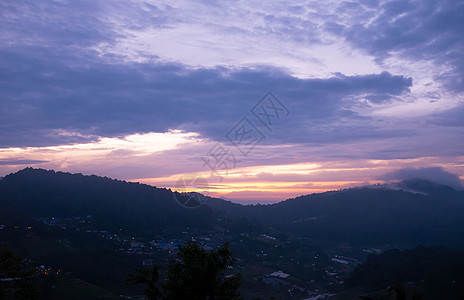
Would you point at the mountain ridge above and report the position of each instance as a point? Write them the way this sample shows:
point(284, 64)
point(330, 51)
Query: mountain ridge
point(361, 215)
point(37, 193)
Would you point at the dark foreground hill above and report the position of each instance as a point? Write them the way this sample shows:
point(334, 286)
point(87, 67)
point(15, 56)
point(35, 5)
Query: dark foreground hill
point(426, 273)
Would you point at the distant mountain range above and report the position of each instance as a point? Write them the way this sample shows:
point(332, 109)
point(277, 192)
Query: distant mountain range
point(410, 212)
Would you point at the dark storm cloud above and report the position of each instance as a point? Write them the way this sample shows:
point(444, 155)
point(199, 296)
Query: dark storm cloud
point(43, 90)
point(434, 174)
point(418, 30)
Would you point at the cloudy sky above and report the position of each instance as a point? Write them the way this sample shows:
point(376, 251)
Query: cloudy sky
point(155, 91)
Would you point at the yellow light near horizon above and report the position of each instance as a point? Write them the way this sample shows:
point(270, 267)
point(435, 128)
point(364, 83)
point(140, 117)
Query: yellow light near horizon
point(400, 160)
point(278, 189)
point(300, 168)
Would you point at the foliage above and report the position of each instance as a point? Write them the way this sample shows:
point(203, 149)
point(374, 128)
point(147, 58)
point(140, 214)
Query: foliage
point(438, 271)
point(150, 277)
point(16, 280)
point(197, 274)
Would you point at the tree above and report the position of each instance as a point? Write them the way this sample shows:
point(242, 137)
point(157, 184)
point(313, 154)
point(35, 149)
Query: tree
point(399, 291)
point(15, 283)
point(150, 278)
point(197, 274)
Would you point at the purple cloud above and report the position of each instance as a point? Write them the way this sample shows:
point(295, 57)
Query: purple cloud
point(97, 98)
point(418, 30)
point(14, 162)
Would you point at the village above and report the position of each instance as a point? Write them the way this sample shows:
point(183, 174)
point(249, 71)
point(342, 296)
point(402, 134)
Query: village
point(263, 271)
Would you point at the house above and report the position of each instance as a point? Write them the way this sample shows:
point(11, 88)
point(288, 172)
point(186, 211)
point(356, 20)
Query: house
point(147, 262)
point(340, 261)
point(280, 274)
point(136, 244)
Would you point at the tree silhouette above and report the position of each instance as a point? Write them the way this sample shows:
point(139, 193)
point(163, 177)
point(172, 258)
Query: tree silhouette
point(148, 277)
point(197, 274)
point(16, 279)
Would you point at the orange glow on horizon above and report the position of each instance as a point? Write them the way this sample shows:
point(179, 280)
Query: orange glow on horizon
point(161, 157)
point(271, 190)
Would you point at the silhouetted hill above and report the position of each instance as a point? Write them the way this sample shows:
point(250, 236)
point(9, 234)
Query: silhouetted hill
point(36, 193)
point(366, 215)
point(431, 188)
point(433, 215)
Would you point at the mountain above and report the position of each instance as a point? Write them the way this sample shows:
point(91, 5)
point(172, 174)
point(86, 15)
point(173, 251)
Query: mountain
point(101, 229)
point(414, 212)
point(33, 193)
point(417, 212)
point(417, 186)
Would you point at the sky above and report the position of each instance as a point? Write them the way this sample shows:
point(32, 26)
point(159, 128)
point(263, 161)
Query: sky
point(261, 101)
